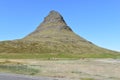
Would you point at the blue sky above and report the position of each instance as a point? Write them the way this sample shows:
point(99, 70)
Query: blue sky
point(96, 20)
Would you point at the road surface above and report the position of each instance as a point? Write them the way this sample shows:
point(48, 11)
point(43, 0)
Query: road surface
point(8, 76)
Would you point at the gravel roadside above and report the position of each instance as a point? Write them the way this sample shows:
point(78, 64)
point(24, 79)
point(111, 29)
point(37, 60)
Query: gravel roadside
point(8, 76)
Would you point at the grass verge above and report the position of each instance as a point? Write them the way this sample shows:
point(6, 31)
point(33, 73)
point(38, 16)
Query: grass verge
point(56, 56)
point(18, 68)
point(87, 79)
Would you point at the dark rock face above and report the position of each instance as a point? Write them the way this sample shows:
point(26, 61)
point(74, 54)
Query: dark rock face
point(54, 17)
point(54, 20)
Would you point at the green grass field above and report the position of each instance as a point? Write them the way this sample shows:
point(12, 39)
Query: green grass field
point(55, 56)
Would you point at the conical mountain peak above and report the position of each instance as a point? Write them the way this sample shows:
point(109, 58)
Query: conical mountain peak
point(54, 21)
point(53, 24)
point(54, 16)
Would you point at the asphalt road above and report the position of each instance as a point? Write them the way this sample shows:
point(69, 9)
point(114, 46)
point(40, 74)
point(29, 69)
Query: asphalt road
point(8, 76)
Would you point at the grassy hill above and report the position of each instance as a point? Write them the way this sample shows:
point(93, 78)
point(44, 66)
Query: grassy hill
point(53, 38)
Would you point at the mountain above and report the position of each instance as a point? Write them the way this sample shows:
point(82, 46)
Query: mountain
point(53, 35)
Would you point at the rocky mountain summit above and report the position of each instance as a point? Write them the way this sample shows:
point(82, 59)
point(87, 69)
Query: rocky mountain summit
point(53, 35)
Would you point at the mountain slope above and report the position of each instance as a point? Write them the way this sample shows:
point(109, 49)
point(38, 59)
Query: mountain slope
point(53, 35)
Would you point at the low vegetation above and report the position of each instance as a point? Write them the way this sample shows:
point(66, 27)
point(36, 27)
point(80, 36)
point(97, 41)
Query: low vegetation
point(87, 79)
point(55, 56)
point(16, 67)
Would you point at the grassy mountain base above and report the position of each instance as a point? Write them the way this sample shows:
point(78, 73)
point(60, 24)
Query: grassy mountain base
point(42, 47)
point(21, 49)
